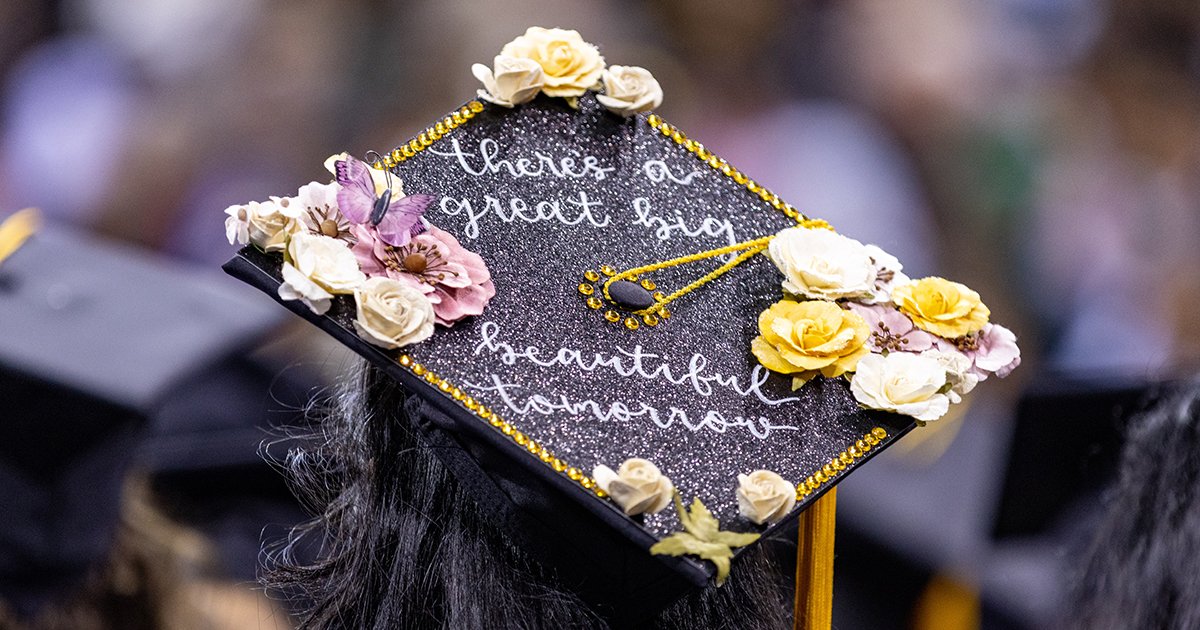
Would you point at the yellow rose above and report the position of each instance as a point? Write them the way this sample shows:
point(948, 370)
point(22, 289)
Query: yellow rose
point(944, 308)
point(571, 65)
point(810, 337)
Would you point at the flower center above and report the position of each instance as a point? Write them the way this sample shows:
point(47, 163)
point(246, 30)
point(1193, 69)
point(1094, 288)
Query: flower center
point(329, 227)
point(967, 342)
point(885, 339)
point(415, 263)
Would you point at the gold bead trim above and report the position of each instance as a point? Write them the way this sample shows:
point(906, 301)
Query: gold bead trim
point(726, 169)
point(426, 138)
point(840, 462)
point(540, 451)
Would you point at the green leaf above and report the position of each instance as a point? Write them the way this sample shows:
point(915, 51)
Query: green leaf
point(703, 538)
point(945, 388)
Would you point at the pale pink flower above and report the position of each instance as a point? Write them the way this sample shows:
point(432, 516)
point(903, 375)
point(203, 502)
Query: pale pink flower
point(891, 330)
point(992, 350)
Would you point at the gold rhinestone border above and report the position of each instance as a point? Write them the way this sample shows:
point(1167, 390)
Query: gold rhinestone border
point(826, 473)
point(541, 451)
point(434, 132)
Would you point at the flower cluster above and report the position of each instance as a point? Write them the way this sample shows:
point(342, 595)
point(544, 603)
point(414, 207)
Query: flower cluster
point(908, 346)
point(399, 292)
point(558, 62)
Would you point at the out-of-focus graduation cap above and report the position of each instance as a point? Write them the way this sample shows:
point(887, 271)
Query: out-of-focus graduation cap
point(96, 339)
point(627, 301)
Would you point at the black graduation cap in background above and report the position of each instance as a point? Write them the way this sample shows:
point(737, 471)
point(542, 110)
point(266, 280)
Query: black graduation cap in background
point(555, 378)
point(96, 339)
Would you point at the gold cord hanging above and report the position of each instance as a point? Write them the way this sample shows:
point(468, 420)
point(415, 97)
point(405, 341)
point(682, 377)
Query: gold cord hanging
point(814, 564)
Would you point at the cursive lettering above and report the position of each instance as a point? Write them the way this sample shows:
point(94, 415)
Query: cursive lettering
point(519, 210)
point(542, 165)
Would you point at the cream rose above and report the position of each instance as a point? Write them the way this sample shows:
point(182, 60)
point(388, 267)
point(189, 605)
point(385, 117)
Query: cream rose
point(637, 486)
point(297, 286)
point(629, 90)
point(571, 66)
point(391, 314)
point(327, 261)
point(958, 372)
point(516, 80)
point(266, 224)
point(822, 264)
point(902, 383)
point(764, 496)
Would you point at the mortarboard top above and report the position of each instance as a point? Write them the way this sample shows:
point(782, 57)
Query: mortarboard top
point(96, 336)
point(625, 320)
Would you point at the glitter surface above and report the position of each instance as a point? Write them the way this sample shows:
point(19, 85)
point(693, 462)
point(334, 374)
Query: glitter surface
point(687, 393)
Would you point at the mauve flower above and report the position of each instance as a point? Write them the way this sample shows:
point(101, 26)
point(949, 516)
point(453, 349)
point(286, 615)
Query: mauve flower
point(455, 280)
point(892, 330)
point(992, 350)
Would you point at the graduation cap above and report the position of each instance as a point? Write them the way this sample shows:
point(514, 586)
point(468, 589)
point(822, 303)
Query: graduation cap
point(572, 288)
point(97, 338)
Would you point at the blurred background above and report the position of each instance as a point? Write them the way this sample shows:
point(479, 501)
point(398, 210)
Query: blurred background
point(1044, 152)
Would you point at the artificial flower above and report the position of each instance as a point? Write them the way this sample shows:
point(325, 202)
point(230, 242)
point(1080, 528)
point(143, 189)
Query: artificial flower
point(455, 280)
point(958, 372)
point(764, 496)
point(702, 537)
point(326, 261)
point(944, 308)
point(297, 286)
point(901, 382)
point(391, 314)
point(807, 338)
point(888, 274)
point(515, 80)
point(891, 330)
point(266, 224)
point(319, 211)
point(637, 486)
point(822, 264)
point(382, 179)
point(571, 65)
point(629, 90)
point(992, 350)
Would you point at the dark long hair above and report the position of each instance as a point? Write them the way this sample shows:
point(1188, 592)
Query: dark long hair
point(401, 545)
point(1142, 569)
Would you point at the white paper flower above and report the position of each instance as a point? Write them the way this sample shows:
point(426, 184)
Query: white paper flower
point(629, 90)
point(392, 314)
point(958, 372)
point(902, 383)
point(637, 486)
point(297, 286)
point(571, 66)
point(887, 275)
point(266, 224)
point(822, 264)
point(319, 211)
point(327, 261)
point(515, 80)
point(765, 497)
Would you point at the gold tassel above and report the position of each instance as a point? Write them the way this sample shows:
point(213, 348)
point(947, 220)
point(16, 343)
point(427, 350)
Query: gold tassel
point(814, 564)
point(16, 229)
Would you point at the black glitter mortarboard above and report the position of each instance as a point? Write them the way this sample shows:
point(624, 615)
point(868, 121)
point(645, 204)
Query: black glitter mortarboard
point(558, 376)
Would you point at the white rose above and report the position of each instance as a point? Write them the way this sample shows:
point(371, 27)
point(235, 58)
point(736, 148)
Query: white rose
point(382, 179)
point(297, 286)
point(391, 314)
point(516, 80)
point(902, 383)
point(629, 90)
point(764, 496)
point(958, 372)
point(571, 66)
point(266, 224)
point(327, 261)
point(887, 275)
point(822, 264)
point(638, 486)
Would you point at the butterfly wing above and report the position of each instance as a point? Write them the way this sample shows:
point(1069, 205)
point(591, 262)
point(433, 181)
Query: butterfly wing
point(402, 220)
point(356, 197)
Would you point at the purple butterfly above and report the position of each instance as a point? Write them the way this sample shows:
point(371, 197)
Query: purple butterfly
point(397, 221)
